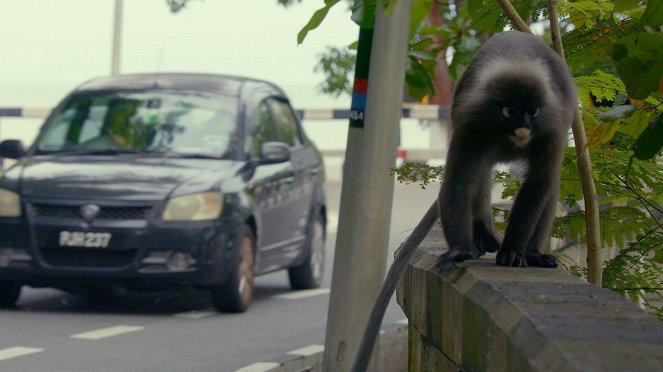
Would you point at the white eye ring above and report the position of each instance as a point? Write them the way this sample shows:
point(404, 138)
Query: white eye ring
point(505, 112)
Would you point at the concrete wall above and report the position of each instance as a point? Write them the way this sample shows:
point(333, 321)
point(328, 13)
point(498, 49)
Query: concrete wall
point(484, 317)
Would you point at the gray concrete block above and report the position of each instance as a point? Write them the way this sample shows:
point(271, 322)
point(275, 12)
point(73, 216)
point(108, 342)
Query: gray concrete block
point(481, 316)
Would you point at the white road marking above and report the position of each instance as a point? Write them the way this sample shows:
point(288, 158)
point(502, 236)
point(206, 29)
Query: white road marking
point(195, 314)
point(402, 321)
point(259, 367)
point(107, 332)
point(309, 350)
point(17, 351)
point(297, 295)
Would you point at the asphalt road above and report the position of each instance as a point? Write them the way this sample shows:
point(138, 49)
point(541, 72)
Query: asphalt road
point(50, 330)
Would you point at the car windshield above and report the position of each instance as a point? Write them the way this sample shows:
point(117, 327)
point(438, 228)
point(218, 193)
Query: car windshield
point(172, 123)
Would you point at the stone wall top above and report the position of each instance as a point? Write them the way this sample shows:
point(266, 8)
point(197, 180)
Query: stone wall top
point(481, 316)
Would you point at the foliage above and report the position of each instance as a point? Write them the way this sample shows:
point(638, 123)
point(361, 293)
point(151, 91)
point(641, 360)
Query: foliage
point(176, 5)
point(616, 54)
point(337, 64)
point(287, 3)
point(411, 172)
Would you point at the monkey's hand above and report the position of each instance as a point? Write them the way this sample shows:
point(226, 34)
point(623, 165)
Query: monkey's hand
point(455, 254)
point(484, 239)
point(509, 258)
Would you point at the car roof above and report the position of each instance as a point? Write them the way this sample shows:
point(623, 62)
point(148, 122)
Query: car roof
point(212, 83)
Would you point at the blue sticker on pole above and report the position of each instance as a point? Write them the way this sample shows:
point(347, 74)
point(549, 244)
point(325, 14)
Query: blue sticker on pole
point(358, 106)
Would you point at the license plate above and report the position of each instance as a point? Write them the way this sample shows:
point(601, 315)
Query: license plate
point(84, 239)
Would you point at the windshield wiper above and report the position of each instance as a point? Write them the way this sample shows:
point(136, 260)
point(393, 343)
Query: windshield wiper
point(111, 152)
point(94, 152)
point(185, 155)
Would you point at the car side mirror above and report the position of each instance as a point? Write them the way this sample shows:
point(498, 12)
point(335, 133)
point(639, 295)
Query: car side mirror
point(274, 152)
point(12, 149)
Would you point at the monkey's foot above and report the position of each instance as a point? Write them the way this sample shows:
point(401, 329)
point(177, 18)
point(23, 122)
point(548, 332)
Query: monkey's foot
point(541, 260)
point(507, 258)
point(510, 258)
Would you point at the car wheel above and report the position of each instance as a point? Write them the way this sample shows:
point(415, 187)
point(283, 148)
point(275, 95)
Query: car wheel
point(236, 294)
point(308, 275)
point(9, 293)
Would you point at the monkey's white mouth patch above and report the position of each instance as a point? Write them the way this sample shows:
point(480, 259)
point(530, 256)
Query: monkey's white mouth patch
point(520, 137)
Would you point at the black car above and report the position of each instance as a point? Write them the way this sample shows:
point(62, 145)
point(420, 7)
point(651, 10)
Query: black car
point(156, 181)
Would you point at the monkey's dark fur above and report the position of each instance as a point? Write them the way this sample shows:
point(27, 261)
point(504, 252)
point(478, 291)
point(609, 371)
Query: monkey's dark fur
point(514, 102)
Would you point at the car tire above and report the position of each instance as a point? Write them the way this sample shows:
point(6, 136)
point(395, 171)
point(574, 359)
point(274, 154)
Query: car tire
point(236, 294)
point(308, 275)
point(9, 293)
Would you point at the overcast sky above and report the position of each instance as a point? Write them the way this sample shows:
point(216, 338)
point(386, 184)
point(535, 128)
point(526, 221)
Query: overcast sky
point(50, 46)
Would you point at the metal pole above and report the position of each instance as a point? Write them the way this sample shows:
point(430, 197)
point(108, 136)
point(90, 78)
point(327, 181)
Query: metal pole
point(117, 38)
point(367, 192)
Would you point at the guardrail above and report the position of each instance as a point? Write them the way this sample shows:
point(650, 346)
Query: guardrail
point(410, 111)
point(25, 112)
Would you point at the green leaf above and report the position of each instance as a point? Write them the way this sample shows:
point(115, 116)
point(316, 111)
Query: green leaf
point(363, 13)
point(653, 15)
point(421, 55)
point(636, 124)
point(316, 20)
point(603, 133)
point(641, 45)
point(640, 77)
point(419, 79)
point(465, 47)
point(650, 140)
point(485, 15)
point(624, 5)
point(420, 9)
point(601, 85)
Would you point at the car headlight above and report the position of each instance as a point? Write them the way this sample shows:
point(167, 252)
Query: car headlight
point(195, 207)
point(10, 204)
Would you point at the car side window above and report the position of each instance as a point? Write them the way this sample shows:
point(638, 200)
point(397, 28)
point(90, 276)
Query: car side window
point(264, 129)
point(286, 124)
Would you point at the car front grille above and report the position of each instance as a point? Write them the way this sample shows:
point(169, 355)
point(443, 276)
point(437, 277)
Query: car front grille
point(69, 257)
point(106, 213)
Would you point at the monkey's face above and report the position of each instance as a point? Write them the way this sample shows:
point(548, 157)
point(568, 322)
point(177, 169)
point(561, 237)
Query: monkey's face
point(514, 104)
point(519, 123)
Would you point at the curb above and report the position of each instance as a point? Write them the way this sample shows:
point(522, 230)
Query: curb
point(393, 339)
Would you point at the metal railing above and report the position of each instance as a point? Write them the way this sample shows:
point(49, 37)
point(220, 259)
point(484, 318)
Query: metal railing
point(410, 111)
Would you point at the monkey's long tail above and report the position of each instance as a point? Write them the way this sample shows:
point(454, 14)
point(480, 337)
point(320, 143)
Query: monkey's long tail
point(396, 270)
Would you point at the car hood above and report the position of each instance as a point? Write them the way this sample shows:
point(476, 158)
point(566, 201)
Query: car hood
point(119, 178)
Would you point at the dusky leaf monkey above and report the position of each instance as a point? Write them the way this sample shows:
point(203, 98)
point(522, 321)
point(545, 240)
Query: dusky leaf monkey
point(514, 102)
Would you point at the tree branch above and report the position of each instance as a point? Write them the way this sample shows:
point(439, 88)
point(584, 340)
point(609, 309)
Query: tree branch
point(592, 221)
point(513, 16)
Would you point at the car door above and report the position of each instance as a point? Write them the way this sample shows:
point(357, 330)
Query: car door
point(270, 187)
point(298, 191)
